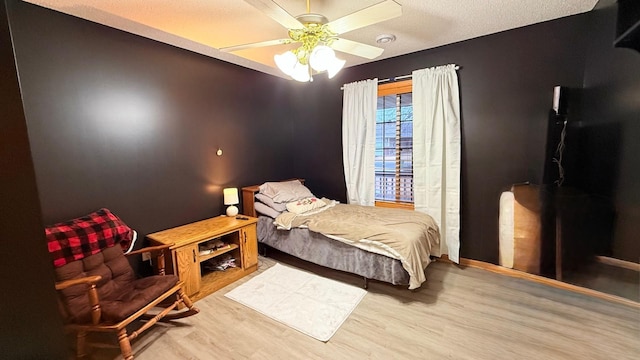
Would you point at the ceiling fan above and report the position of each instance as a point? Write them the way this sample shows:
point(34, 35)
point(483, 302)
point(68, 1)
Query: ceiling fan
point(318, 37)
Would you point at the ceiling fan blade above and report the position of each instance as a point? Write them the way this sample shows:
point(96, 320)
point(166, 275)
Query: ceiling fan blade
point(256, 45)
point(356, 48)
point(385, 10)
point(277, 13)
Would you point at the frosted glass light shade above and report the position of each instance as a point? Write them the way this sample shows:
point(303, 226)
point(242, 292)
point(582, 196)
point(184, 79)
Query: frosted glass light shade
point(335, 66)
point(300, 72)
point(286, 62)
point(321, 57)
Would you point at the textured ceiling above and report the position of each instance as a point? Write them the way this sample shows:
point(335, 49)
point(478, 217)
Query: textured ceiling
point(204, 26)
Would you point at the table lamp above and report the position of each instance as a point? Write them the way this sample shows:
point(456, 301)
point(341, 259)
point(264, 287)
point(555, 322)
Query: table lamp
point(231, 199)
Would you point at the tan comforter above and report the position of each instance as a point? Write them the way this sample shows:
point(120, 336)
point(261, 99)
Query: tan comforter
point(410, 235)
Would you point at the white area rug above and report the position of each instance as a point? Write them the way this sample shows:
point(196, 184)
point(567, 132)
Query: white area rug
point(311, 304)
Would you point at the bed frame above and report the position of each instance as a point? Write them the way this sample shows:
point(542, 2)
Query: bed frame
point(311, 245)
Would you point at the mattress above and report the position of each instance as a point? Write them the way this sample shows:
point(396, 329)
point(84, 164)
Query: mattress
point(321, 250)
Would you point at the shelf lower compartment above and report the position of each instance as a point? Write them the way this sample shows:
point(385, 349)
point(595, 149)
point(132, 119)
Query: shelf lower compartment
point(215, 280)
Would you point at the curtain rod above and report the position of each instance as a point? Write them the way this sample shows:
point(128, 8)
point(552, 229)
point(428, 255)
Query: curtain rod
point(395, 78)
point(401, 77)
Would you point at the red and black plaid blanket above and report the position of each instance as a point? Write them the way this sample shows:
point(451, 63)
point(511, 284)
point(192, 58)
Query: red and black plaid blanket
point(78, 238)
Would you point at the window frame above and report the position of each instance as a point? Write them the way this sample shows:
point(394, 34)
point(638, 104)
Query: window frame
point(394, 88)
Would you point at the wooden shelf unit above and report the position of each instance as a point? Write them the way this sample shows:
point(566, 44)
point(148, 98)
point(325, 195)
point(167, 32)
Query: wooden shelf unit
point(217, 253)
point(188, 264)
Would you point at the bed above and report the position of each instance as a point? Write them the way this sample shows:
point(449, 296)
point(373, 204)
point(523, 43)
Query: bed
point(369, 259)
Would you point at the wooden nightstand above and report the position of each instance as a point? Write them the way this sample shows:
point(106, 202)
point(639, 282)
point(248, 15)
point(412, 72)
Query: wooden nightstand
point(190, 265)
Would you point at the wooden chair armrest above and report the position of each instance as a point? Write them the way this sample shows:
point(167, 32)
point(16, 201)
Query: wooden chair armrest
point(148, 249)
point(160, 250)
point(92, 292)
point(89, 280)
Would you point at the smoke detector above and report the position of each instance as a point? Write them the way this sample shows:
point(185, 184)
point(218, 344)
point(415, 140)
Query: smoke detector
point(385, 38)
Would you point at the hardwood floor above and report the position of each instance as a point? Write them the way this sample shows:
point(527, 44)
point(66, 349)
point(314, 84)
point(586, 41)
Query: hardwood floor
point(606, 278)
point(457, 314)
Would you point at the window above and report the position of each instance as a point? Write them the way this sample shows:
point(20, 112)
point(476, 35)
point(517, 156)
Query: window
point(394, 144)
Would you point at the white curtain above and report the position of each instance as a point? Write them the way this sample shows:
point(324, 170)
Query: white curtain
point(359, 140)
point(436, 152)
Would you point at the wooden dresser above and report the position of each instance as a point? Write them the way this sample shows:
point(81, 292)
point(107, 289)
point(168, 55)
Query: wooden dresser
point(192, 264)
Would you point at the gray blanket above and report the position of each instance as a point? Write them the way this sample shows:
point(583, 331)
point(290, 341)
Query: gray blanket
point(408, 235)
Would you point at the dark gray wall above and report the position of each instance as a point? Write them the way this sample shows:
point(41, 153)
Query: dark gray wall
point(123, 122)
point(506, 86)
point(610, 150)
point(31, 327)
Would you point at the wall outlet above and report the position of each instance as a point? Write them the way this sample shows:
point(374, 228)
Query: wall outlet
point(146, 256)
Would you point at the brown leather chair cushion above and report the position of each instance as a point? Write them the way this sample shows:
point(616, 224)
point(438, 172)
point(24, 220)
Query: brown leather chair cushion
point(120, 293)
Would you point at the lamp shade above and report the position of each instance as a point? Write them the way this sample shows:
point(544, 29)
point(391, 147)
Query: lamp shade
point(230, 196)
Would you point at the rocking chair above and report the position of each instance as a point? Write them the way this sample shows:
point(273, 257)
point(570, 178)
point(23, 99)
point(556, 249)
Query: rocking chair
point(97, 287)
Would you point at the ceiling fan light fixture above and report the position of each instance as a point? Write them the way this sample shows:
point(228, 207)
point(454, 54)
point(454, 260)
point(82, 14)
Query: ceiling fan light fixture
point(300, 72)
point(286, 62)
point(321, 57)
point(317, 37)
point(335, 66)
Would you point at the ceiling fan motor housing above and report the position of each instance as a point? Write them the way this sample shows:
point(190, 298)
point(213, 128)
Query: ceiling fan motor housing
point(311, 18)
point(314, 33)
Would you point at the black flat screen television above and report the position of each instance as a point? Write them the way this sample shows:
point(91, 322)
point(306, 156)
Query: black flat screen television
point(628, 24)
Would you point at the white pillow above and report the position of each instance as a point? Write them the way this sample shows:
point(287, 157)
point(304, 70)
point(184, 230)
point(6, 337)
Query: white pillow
point(266, 210)
point(285, 191)
point(304, 205)
point(279, 207)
